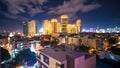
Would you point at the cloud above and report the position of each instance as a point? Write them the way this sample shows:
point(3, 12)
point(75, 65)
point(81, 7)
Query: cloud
point(34, 11)
point(20, 6)
point(90, 7)
point(15, 8)
point(10, 16)
point(13, 17)
point(72, 7)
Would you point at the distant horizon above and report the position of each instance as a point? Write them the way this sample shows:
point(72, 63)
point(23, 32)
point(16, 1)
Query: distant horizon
point(42, 28)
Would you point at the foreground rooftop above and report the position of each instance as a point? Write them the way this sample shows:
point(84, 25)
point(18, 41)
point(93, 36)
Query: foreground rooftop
point(60, 53)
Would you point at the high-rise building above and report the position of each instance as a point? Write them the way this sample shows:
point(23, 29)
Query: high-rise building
point(58, 27)
point(47, 27)
point(71, 28)
point(78, 26)
point(30, 28)
point(54, 26)
point(33, 27)
point(64, 22)
point(74, 28)
point(25, 28)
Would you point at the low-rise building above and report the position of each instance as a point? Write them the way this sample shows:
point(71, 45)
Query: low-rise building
point(64, 58)
point(92, 42)
point(74, 40)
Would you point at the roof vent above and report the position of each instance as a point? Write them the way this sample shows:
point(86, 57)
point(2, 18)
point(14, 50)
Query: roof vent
point(56, 50)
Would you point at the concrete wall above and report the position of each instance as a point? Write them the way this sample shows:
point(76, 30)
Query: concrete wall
point(79, 62)
point(92, 43)
point(65, 63)
point(84, 40)
point(52, 62)
point(90, 62)
point(73, 40)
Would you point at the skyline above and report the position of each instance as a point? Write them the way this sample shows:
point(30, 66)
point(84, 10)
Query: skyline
point(93, 13)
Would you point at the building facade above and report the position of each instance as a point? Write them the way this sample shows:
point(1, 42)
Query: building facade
point(63, 26)
point(54, 25)
point(25, 28)
point(64, 23)
point(30, 28)
point(57, 58)
point(47, 27)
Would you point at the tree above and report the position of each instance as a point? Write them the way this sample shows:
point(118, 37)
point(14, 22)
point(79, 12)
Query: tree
point(4, 54)
point(26, 56)
point(114, 50)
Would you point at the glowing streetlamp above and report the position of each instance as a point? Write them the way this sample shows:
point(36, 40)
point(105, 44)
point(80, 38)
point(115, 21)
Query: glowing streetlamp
point(9, 38)
point(19, 67)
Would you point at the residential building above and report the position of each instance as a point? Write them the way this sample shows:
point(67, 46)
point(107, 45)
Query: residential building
point(30, 28)
point(63, 26)
point(25, 28)
point(64, 58)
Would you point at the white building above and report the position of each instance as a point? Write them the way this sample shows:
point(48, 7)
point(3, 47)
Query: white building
point(63, 58)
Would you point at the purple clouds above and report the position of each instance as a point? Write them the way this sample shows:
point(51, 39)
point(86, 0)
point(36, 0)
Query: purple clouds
point(34, 7)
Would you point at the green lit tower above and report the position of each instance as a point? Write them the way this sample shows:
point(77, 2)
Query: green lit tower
point(25, 28)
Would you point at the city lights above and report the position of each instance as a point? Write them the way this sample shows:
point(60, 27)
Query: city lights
point(19, 66)
point(59, 34)
point(63, 26)
point(30, 28)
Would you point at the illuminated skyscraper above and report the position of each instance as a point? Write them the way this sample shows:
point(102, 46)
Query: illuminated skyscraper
point(64, 22)
point(58, 27)
point(32, 28)
point(47, 27)
point(78, 26)
point(25, 28)
point(72, 29)
point(54, 25)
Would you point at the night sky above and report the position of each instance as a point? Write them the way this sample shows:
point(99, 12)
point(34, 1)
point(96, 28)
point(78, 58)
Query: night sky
point(93, 13)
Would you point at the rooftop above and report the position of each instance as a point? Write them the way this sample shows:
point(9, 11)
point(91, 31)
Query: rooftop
point(60, 53)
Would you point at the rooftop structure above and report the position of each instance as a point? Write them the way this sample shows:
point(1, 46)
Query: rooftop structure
point(63, 58)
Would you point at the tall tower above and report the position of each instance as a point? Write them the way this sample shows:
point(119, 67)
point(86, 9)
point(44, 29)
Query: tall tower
point(54, 25)
point(58, 27)
point(64, 22)
point(47, 27)
point(25, 28)
point(32, 27)
point(78, 26)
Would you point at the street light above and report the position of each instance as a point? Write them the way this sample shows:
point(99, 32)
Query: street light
point(19, 67)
